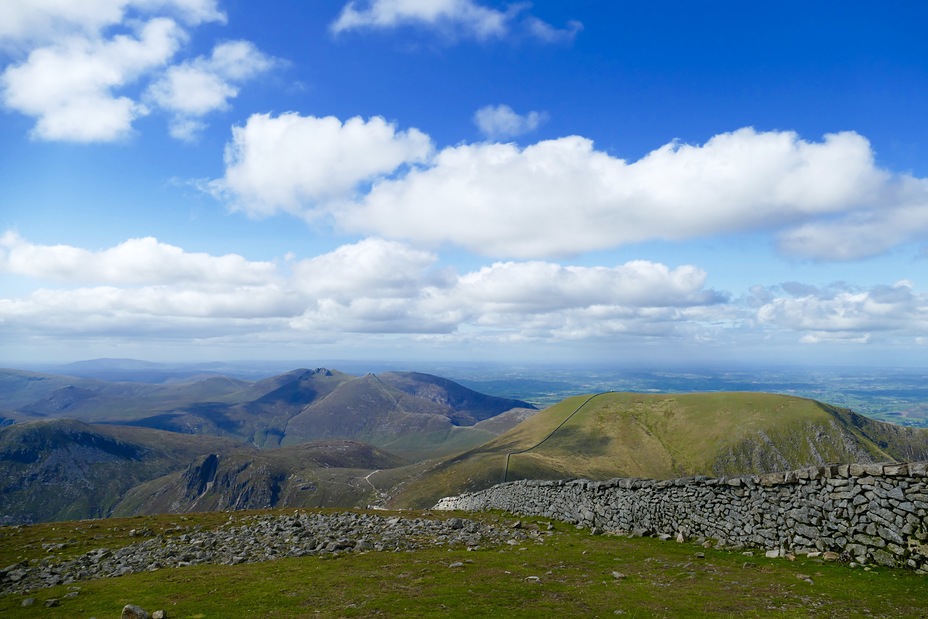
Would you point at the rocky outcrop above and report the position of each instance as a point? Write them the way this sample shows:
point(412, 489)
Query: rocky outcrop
point(251, 539)
point(869, 513)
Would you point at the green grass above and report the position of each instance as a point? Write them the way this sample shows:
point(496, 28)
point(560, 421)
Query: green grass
point(664, 436)
point(573, 570)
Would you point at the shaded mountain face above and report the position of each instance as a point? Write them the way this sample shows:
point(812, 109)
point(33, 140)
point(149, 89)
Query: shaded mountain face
point(303, 405)
point(65, 469)
point(321, 474)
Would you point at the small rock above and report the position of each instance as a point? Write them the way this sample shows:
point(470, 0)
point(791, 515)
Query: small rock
point(49, 603)
point(457, 564)
point(28, 601)
point(700, 555)
point(71, 595)
point(805, 577)
point(772, 554)
point(618, 575)
point(131, 611)
point(159, 614)
point(747, 553)
point(680, 537)
point(534, 579)
point(830, 556)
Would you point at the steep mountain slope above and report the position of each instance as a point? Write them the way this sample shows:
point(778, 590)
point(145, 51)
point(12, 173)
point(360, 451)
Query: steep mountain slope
point(666, 436)
point(325, 474)
point(65, 469)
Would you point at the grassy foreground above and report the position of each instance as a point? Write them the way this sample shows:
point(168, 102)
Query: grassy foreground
point(571, 574)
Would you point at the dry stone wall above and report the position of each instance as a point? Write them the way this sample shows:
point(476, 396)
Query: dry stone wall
point(869, 513)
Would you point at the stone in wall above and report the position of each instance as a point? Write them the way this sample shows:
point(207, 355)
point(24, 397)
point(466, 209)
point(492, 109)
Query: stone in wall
point(869, 513)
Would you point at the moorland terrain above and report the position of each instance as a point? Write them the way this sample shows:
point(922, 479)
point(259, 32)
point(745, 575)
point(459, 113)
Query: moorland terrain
point(166, 460)
point(77, 447)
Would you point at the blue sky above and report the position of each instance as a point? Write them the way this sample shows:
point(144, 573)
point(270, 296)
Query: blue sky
point(420, 180)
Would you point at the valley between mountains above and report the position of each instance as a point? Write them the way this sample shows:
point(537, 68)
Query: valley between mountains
point(74, 448)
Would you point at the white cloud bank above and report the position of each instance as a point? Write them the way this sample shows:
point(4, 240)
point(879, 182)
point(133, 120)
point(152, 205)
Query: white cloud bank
point(826, 200)
point(842, 313)
point(136, 261)
point(453, 18)
point(372, 287)
point(381, 288)
point(77, 66)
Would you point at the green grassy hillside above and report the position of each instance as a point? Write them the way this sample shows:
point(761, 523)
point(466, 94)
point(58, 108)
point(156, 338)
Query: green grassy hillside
point(666, 436)
point(569, 574)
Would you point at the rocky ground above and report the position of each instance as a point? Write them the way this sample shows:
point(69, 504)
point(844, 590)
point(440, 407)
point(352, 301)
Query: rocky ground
point(261, 538)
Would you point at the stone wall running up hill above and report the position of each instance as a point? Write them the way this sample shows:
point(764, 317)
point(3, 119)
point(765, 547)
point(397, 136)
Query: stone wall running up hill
point(869, 513)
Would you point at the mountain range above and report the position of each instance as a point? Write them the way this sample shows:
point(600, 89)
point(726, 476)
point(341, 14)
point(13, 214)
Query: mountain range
point(78, 447)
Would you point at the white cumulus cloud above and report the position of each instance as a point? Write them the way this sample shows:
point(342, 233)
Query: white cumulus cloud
point(46, 21)
point(81, 68)
point(899, 216)
point(454, 18)
point(293, 163)
point(501, 122)
point(69, 87)
point(193, 89)
point(825, 200)
point(559, 197)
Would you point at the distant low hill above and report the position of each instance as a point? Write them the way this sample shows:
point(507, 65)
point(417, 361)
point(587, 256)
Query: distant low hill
point(668, 436)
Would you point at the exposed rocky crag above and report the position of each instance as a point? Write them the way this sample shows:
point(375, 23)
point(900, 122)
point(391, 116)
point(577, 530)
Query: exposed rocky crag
point(65, 469)
point(319, 474)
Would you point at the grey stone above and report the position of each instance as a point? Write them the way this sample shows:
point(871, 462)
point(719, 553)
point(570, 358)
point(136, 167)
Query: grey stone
point(131, 611)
